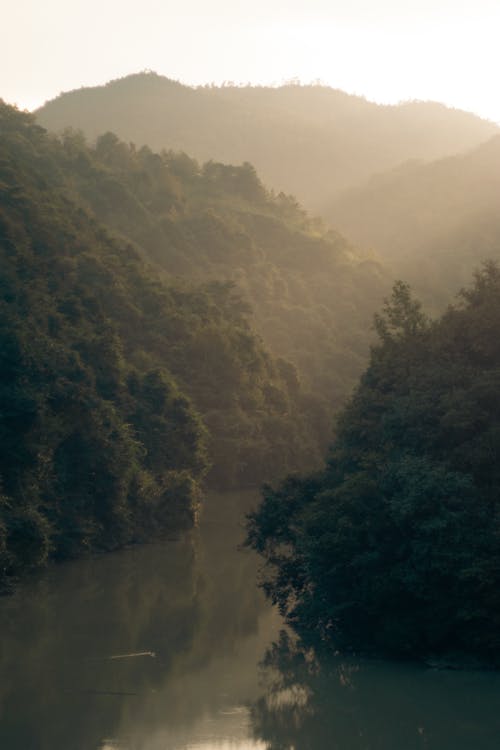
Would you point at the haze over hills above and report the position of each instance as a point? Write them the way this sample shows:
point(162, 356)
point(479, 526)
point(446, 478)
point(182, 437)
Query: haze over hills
point(311, 294)
point(433, 223)
point(134, 286)
point(312, 141)
point(112, 379)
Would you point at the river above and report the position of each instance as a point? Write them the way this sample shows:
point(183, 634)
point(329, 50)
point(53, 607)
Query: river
point(163, 647)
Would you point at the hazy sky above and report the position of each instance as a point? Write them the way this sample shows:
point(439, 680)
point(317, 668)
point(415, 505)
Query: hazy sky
point(387, 50)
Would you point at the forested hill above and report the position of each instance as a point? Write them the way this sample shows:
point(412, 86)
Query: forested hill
point(432, 222)
point(308, 140)
point(393, 548)
point(131, 285)
point(117, 388)
point(311, 295)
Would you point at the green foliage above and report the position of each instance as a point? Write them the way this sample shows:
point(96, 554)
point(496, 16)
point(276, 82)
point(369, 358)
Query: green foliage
point(217, 226)
point(394, 547)
point(309, 294)
point(120, 386)
point(73, 465)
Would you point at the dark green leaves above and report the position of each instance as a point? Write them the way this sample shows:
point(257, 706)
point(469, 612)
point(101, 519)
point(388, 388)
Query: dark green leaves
point(396, 550)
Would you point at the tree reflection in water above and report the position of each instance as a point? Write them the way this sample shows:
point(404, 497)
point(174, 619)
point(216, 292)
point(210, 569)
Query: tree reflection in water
point(190, 607)
point(335, 703)
point(194, 604)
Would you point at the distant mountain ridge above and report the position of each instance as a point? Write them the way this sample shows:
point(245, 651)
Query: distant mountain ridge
point(313, 141)
point(433, 223)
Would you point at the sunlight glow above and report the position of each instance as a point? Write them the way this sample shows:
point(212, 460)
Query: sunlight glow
point(429, 50)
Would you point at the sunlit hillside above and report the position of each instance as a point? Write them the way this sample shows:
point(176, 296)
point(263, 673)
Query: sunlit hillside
point(311, 294)
point(159, 319)
point(311, 141)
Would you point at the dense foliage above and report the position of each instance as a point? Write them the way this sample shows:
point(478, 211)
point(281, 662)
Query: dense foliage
point(394, 547)
point(310, 294)
point(112, 382)
point(309, 140)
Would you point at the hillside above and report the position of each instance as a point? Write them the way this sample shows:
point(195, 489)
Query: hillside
point(310, 293)
point(433, 223)
point(118, 388)
point(312, 141)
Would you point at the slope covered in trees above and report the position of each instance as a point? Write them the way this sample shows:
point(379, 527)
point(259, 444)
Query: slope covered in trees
point(432, 222)
point(393, 548)
point(309, 140)
point(114, 384)
point(311, 295)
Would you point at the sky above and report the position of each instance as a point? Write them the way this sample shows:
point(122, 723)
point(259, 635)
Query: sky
point(386, 50)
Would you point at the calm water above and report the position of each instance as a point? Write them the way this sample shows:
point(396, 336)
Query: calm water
point(158, 648)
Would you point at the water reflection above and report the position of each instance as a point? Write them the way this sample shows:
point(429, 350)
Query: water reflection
point(155, 647)
point(313, 703)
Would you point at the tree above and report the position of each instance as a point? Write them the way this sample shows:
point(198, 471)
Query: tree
point(394, 547)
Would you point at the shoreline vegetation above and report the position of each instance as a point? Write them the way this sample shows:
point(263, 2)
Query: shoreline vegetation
point(393, 548)
point(132, 371)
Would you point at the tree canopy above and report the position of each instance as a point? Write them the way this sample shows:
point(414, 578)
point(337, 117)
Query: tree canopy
point(393, 547)
point(120, 386)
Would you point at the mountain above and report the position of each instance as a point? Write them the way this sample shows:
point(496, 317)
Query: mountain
point(119, 385)
point(311, 294)
point(433, 223)
point(312, 141)
point(163, 324)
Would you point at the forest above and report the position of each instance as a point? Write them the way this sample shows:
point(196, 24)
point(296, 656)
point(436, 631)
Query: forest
point(175, 320)
point(138, 289)
point(120, 389)
point(393, 547)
